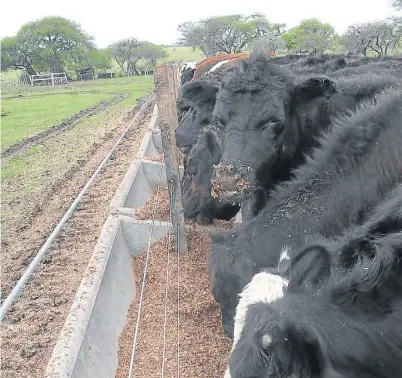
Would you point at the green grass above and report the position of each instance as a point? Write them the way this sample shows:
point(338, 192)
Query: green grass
point(28, 116)
point(40, 108)
point(10, 75)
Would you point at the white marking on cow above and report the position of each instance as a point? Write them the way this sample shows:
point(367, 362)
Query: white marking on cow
point(192, 65)
point(284, 254)
point(188, 65)
point(217, 65)
point(264, 287)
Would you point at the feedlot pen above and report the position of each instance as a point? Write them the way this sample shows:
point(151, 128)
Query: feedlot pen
point(143, 308)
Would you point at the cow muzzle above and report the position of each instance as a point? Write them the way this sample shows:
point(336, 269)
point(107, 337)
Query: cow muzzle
point(232, 183)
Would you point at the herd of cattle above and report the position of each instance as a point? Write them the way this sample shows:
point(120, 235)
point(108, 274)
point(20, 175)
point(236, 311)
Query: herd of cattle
point(309, 149)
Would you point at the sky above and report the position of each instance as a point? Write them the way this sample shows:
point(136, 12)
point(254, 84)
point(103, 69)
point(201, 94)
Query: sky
point(156, 21)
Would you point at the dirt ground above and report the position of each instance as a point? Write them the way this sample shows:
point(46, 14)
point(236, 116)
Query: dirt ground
point(32, 326)
point(196, 346)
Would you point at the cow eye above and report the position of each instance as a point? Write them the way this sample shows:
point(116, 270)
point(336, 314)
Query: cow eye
point(277, 126)
point(274, 124)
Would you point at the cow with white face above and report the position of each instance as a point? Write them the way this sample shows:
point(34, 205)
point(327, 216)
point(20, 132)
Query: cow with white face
point(187, 71)
point(266, 287)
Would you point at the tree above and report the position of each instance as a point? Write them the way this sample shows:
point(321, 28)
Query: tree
point(100, 58)
point(17, 54)
point(278, 29)
point(311, 36)
point(128, 52)
point(225, 34)
point(379, 36)
point(357, 38)
point(125, 53)
point(151, 52)
point(386, 35)
point(397, 4)
point(55, 42)
point(269, 42)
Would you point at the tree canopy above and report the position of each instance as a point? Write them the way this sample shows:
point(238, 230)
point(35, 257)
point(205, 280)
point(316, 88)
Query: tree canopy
point(226, 34)
point(311, 36)
point(128, 52)
point(397, 4)
point(51, 43)
point(379, 36)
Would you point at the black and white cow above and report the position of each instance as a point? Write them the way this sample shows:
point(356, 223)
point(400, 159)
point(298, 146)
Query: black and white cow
point(358, 164)
point(327, 322)
point(187, 71)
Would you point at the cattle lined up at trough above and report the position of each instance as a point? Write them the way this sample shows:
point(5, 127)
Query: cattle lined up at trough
point(310, 150)
point(260, 155)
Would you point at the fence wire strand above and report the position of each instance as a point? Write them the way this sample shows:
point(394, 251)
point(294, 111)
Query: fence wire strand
point(165, 305)
point(165, 316)
point(144, 277)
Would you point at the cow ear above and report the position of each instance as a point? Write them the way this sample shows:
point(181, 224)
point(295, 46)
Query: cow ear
point(314, 87)
point(199, 93)
point(310, 267)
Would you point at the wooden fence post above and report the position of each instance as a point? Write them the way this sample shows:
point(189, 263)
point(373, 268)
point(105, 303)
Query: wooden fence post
point(166, 92)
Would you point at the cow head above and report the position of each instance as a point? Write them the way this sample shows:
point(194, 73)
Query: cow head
point(200, 97)
point(269, 116)
point(272, 345)
point(196, 183)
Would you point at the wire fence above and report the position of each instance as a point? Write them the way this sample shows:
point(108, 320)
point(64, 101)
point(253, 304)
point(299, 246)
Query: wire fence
point(168, 147)
point(171, 165)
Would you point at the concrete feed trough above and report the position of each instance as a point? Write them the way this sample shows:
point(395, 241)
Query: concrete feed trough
point(151, 144)
point(88, 343)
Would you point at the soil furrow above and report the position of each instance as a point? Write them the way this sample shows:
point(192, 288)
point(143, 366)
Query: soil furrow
point(32, 326)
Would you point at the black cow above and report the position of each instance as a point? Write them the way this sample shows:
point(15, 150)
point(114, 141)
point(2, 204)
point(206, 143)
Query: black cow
point(272, 121)
point(196, 185)
point(310, 268)
point(350, 327)
point(359, 163)
point(287, 59)
point(199, 97)
point(318, 66)
point(392, 67)
point(368, 291)
point(199, 93)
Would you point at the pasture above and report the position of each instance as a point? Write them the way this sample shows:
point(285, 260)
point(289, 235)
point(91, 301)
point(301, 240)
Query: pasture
point(31, 113)
point(182, 53)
